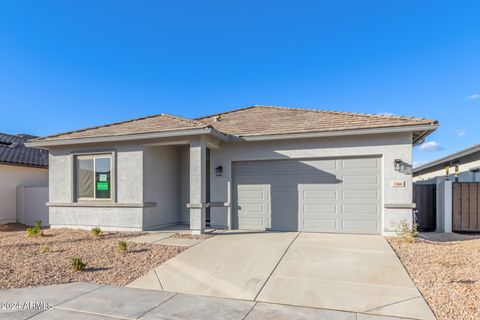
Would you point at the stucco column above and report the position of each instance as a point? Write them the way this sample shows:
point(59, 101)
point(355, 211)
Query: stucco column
point(444, 206)
point(198, 155)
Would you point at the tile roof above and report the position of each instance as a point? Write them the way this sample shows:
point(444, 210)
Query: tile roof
point(271, 120)
point(13, 151)
point(250, 121)
point(156, 123)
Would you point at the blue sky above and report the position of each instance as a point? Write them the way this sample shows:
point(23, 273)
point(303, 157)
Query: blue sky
point(71, 64)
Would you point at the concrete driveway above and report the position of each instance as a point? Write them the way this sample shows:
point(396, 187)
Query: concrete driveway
point(354, 273)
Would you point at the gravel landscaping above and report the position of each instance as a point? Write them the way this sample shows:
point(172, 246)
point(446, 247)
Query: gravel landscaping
point(45, 260)
point(447, 273)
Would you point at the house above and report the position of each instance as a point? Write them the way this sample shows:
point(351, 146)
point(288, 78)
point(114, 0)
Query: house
point(461, 166)
point(259, 167)
point(23, 172)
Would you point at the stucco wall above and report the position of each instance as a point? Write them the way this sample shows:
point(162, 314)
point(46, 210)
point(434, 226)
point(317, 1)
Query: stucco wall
point(161, 184)
point(184, 153)
point(128, 186)
point(32, 205)
point(436, 174)
point(388, 146)
point(10, 178)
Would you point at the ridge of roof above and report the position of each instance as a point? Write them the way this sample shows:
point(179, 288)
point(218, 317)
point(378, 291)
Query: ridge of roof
point(187, 120)
point(370, 115)
point(225, 112)
point(179, 118)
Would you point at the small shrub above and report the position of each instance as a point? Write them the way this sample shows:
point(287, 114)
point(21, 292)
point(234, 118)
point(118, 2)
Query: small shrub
point(36, 230)
point(44, 248)
point(78, 264)
point(122, 246)
point(407, 234)
point(95, 232)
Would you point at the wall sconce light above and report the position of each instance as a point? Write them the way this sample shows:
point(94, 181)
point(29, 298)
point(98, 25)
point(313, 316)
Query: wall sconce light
point(398, 164)
point(219, 171)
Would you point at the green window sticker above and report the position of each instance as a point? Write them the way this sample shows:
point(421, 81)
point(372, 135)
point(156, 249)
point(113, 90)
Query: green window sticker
point(102, 186)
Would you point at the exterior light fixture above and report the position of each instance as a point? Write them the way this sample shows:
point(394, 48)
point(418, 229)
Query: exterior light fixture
point(219, 171)
point(398, 164)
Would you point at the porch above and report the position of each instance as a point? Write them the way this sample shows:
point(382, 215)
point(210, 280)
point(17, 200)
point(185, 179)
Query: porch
point(176, 180)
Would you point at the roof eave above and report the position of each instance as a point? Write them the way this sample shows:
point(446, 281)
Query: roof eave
point(423, 129)
point(447, 159)
point(45, 144)
point(18, 164)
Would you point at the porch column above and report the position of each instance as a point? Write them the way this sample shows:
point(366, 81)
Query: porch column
point(198, 160)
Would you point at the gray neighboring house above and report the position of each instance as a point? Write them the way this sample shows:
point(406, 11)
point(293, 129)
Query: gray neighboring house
point(463, 165)
point(23, 180)
point(261, 167)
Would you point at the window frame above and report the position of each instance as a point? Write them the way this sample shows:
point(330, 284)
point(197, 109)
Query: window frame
point(93, 156)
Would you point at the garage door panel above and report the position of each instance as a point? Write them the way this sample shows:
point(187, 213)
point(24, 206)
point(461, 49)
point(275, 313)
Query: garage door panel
point(360, 179)
point(359, 208)
point(320, 225)
point(361, 194)
point(320, 194)
point(253, 223)
point(361, 163)
point(251, 195)
point(356, 225)
point(321, 164)
point(332, 195)
point(252, 206)
point(319, 209)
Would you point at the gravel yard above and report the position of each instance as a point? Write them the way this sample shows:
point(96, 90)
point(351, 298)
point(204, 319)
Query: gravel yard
point(23, 262)
point(446, 273)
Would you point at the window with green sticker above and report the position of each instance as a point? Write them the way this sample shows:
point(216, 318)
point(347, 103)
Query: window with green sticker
point(94, 177)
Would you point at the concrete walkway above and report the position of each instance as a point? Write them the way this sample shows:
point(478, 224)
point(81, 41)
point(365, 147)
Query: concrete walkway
point(85, 301)
point(352, 273)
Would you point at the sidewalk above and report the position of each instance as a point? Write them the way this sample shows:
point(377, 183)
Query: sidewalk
point(87, 301)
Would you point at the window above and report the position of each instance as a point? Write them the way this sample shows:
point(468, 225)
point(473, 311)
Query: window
point(94, 177)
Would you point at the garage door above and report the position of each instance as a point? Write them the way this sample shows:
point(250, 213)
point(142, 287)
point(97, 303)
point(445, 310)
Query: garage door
point(318, 195)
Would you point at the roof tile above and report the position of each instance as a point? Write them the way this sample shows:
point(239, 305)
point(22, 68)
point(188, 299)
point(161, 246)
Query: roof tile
point(13, 151)
point(250, 121)
point(271, 120)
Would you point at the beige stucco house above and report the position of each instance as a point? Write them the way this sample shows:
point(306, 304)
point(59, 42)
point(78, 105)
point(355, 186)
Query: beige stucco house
point(23, 181)
point(261, 167)
point(461, 166)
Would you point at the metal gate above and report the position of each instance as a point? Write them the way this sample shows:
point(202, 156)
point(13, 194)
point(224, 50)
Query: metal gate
point(425, 198)
point(466, 206)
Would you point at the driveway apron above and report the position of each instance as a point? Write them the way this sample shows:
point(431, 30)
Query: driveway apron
point(353, 273)
point(230, 265)
point(357, 273)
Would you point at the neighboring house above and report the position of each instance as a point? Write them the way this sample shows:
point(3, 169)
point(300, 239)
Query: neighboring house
point(260, 167)
point(461, 166)
point(22, 168)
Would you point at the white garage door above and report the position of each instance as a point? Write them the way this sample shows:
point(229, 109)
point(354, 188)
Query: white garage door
point(319, 195)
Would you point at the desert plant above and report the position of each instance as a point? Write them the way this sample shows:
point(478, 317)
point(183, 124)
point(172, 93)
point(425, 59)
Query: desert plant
point(95, 231)
point(407, 233)
point(78, 264)
point(44, 248)
point(36, 230)
point(122, 246)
